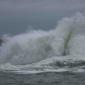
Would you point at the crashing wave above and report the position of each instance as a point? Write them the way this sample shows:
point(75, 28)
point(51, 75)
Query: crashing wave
point(35, 50)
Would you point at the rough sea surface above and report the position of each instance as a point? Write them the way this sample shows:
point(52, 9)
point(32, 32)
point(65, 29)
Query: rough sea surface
point(48, 78)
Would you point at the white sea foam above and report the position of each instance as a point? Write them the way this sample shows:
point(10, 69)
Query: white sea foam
point(37, 45)
point(45, 50)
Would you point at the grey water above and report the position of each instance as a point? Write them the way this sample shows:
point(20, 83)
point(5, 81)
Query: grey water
point(48, 78)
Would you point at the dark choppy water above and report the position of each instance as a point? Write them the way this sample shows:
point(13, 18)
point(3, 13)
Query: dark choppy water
point(52, 78)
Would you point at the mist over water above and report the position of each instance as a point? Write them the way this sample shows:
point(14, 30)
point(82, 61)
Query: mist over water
point(64, 42)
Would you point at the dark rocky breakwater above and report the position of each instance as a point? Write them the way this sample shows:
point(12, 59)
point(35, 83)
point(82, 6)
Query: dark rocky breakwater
point(1, 41)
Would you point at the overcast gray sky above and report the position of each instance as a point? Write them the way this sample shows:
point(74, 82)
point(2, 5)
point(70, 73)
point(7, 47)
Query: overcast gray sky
point(25, 6)
point(18, 14)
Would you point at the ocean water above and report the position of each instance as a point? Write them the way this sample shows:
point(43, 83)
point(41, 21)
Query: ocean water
point(39, 57)
point(48, 78)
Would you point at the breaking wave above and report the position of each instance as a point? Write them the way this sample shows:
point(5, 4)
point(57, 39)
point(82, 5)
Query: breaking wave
point(60, 49)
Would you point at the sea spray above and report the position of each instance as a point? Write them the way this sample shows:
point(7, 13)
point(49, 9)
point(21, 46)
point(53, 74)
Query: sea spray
point(34, 46)
point(37, 45)
point(77, 46)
